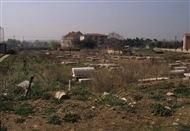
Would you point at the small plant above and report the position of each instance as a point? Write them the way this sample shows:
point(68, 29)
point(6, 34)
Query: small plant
point(112, 100)
point(137, 97)
point(6, 105)
point(24, 111)
point(19, 120)
point(128, 108)
point(182, 90)
point(71, 118)
point(46, 96)
point(164, 85)
point(81, 94)
point(184, 128)
point(160, 110)
point(54, 120)
point(49, 111)
point(57, 101)
point(3, 129)
point(157, 97)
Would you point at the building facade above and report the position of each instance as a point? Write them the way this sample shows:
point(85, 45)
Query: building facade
point(99, 39)
point(66, 41)
point(186, 41)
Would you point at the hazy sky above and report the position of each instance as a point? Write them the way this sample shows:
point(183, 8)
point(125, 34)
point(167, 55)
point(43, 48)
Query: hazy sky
point(48, 19)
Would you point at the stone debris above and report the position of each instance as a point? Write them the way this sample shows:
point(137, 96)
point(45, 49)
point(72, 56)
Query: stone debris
point(24, 84)
point(170, 94)
point(60, 94)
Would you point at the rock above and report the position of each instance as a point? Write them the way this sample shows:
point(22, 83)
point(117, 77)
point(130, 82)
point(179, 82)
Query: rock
point(175, 124)
point(105, 93)
point(167, 107)
point(124, 99)
point(60, 94)
point(93, 107)
point(24, 84)
point(170, 94)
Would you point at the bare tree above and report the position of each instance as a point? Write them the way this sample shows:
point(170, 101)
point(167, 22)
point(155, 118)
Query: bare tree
point(114, 41)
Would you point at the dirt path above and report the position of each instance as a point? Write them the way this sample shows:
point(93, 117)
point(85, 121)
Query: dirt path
point(2, 58)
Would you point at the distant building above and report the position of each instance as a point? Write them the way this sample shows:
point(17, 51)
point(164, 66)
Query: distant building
point(99, 39)
point(186, 41)
point(66, 41)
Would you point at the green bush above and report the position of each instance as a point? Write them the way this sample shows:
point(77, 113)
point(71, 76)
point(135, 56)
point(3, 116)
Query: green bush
point(182, 90)
point(71, 118)
point(6, 106)
point(46, 96)
point(54, 120)
point(57, 101)
point(137, 97)
point(49, 111)
point(157, 97)
point(24, 111)
point(112, 100)
point(160, 110)
point(81, 94)
point(3, 129)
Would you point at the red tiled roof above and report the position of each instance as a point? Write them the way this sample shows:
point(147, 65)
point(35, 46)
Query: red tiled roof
point(94, 34)
point(72, 34)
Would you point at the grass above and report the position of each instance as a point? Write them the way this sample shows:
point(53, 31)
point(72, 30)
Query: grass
point(24, 111)
point(157, 97)
point(71, 118)
point(160, 110)
point(55, 120)
point(19, 120)
point(111, 100)
point(49, 111)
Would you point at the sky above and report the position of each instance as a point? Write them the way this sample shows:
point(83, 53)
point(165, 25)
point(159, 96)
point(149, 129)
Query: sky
point(51, 19)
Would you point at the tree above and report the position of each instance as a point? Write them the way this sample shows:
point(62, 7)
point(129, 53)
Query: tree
point(114, 41)
point(54, 44)
point(87, 43)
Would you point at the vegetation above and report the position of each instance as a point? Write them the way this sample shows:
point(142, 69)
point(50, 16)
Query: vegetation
point(55, 120)
point(71, 118)
point(55, 45)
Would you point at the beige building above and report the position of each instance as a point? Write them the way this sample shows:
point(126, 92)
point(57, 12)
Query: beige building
point(186, 41)
point(66, 41)
point(99, 39)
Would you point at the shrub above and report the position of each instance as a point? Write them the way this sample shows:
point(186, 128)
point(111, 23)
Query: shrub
point(157, 97)
point(81, 93)
point(137, 97)
point(3, 129)
point(160, 110)
point(49, 111)
point(6, 105)
point(89, 115)
point(54, 120)
point(182, 90)
point(24, 111)
point(57, 101)
point(71, 118)
point(112, 100)
point(46, 96)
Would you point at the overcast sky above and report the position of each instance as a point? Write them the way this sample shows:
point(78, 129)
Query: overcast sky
point(45, 19)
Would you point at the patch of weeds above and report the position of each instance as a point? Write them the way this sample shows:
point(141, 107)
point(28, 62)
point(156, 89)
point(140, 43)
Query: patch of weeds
point(89, 116)
point(187, 103)
point(176, 106)
point(49, 111)
point(57, 101)
point(19, 120)
point(3, 129)
point(184, 128)
point(156, 127)
point(35, 92)
point(24, 111)
point(157, 97)
point(160, 110)
point(164, 85)
point(137, 97)
point(55, 120)
point(6, 106)
point(128, 108)
point(71, 118)
point(46, 96)
point(182, 90)
point(142, 88)
point(112, 100)
point(81, 94)
point(19, 91)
